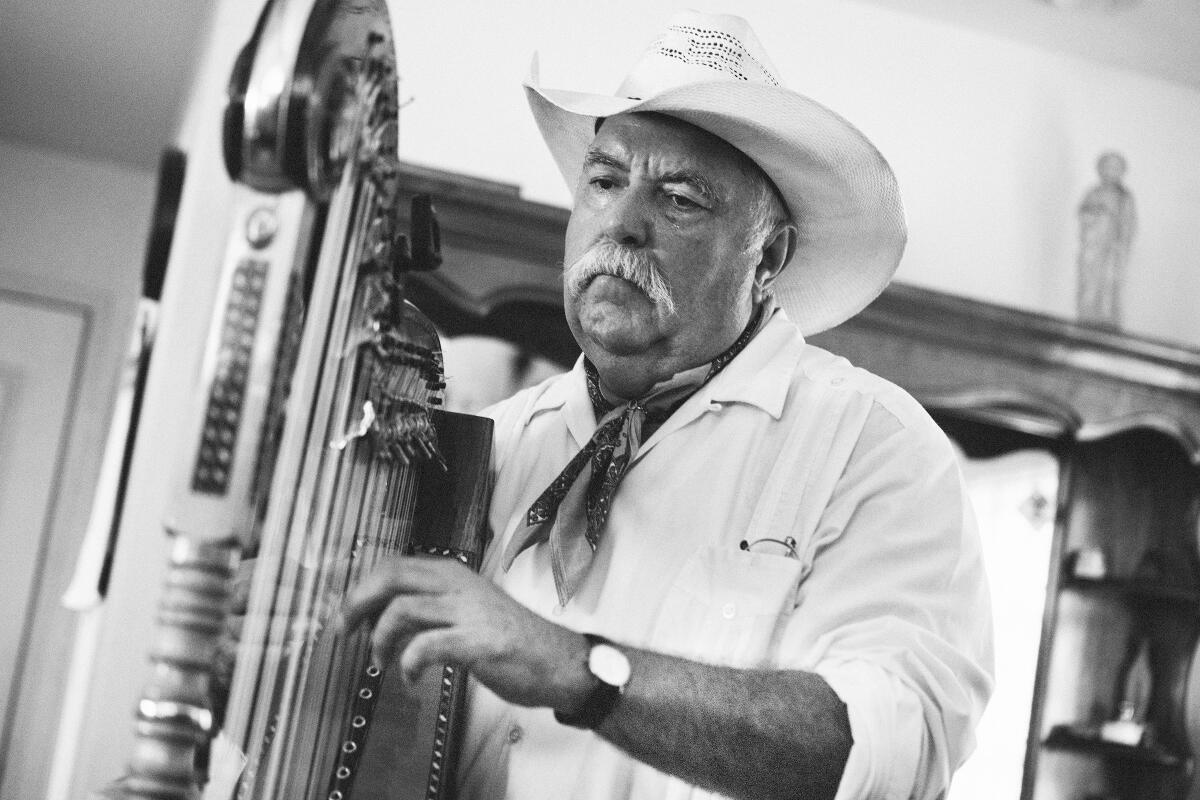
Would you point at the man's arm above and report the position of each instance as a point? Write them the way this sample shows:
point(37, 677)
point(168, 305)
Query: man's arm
point(745, 733)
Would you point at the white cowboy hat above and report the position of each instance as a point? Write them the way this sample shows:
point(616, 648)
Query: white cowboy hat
point(711, 70)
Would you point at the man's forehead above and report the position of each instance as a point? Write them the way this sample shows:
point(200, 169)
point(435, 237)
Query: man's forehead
point(668, 144)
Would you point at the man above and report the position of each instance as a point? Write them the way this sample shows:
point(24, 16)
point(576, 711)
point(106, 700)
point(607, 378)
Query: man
point(769, 551)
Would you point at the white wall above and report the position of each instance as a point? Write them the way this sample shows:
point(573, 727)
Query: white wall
point(73, 223)
point(72, 232)
point(993, 141)
point(96, 744)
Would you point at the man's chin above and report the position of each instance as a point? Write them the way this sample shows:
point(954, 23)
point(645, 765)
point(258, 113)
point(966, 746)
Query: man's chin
point(618, 334)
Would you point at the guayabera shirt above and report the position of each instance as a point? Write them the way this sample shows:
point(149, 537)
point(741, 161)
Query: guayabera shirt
point(885, 596)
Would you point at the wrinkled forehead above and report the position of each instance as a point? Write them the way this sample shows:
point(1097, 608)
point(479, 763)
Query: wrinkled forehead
point(662, 136)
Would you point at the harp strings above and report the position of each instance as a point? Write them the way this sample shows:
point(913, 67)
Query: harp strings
point(351, 508)
point(275, 625)
point(375, 514)
point(343, 493)
point(316, 548)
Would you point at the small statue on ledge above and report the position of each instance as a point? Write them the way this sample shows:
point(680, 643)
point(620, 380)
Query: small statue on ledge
point(1131, 726)
point(1107, 222)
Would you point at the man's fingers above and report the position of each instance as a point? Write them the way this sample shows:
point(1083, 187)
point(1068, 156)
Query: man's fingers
point(374, 592)
point(397, 577)
point(400, 620)
point(436, 646)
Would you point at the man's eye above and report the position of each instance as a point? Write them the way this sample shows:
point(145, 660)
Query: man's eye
point(682, 202)
point(603, 183)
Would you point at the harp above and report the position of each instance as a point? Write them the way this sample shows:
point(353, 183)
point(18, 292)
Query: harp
point(316, 445)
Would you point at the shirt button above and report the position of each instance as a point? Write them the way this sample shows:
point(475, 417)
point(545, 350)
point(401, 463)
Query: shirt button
point(515, 734)
point(557, 610)
point(838, 381)
point(729, 611)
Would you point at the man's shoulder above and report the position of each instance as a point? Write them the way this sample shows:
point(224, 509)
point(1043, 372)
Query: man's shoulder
point(820, 365)
point(549, 394)
point(548, 390)
point(837, 374)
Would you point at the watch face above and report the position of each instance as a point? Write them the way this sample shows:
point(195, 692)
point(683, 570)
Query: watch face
point(609, 665)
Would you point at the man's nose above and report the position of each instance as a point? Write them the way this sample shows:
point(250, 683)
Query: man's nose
point(628, 219)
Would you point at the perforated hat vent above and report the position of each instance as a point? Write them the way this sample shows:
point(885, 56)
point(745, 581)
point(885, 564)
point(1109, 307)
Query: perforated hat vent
point(715, 49)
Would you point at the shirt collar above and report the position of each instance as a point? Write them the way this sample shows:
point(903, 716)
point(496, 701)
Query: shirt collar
point(759, 376)
point(569, 392)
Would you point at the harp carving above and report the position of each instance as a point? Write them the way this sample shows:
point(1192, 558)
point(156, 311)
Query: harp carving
point(318, 446)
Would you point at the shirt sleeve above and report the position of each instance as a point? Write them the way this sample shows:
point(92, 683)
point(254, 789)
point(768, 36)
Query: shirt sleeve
point(894, 612)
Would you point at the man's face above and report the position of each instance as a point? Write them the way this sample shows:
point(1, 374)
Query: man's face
point(676, 200)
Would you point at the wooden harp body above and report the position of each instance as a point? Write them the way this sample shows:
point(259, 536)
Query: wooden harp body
point(317, 447)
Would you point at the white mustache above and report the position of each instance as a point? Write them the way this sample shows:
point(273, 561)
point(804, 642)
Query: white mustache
point(635, 266)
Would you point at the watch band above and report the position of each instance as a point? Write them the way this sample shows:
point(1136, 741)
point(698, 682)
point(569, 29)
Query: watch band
point(600, 700)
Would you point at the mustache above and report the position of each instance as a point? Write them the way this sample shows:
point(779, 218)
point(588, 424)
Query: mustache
point(636, 266)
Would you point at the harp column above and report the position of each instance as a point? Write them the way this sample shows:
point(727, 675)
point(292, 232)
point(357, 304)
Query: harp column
point(311, 99)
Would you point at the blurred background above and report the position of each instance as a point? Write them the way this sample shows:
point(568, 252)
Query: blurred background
point(993, 114)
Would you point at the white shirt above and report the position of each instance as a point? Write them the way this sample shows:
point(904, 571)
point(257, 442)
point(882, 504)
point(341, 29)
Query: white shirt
point(886, 600)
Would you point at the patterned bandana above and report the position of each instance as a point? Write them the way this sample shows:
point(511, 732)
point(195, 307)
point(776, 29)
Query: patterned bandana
point(579, 499)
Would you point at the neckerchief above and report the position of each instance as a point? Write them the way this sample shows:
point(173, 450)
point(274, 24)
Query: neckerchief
point(579, 499)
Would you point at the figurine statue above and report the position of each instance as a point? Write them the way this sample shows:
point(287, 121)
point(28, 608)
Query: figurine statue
point(1130, 724)
point(1107, 221)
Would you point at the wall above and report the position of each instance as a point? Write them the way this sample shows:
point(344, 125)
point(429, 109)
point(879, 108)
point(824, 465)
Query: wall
point(71, 223)
point(101, 729)
point(994, 142)
point(72, 236)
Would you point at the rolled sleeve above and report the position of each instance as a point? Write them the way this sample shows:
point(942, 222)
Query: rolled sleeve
point(894, 612)
point(885, 717)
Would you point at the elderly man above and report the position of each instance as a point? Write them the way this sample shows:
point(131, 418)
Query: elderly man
point(724, 561)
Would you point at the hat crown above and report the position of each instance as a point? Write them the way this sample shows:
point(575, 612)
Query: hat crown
point(700, 48)
point(711, 71)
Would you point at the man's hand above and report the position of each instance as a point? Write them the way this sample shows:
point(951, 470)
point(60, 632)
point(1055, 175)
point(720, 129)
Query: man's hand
point(745, 733)
point(429, 611)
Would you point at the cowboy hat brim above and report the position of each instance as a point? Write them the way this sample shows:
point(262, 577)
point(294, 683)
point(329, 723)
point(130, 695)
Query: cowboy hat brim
point(840, 190)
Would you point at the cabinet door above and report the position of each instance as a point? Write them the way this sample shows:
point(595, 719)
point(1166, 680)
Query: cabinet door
point(1125, 622)
point(40, 345)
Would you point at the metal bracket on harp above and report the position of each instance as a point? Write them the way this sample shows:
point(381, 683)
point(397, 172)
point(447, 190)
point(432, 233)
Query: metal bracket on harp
point(423, 251)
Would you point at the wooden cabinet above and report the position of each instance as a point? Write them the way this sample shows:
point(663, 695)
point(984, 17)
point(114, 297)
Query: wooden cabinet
point(1124, 618)
point(1122, 612)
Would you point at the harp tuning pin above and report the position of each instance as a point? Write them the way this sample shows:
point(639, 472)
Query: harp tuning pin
point(423, 250)
point(401, 256)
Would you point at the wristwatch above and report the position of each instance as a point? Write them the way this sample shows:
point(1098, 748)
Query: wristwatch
point(610, 667)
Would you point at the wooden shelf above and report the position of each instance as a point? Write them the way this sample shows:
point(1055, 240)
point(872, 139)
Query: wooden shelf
point(1138, 589)
point(1079, 740)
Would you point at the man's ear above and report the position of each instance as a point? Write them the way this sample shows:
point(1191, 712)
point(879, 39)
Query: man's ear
point(777, 251)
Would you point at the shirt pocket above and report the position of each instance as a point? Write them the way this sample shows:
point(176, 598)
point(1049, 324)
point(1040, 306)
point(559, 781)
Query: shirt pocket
point(727, 606)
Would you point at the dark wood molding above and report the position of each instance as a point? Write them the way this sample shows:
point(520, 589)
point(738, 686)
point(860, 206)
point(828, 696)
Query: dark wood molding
point(502, 261)
point(1001, 331)
point(479, 214)
point(1039, 373)
point(947, 349)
